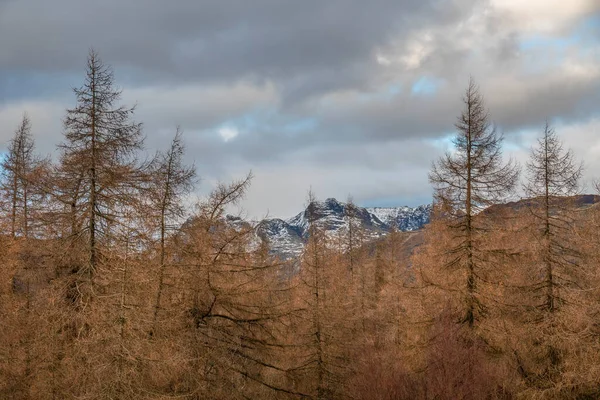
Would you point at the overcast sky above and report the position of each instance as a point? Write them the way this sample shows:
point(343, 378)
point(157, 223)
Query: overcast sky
point(347, 96)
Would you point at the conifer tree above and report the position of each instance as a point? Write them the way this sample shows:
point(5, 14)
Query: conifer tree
point(354, 239)
point(557, 277)
point(97, 158)
point(18, 177)
point(552, 175)
point(314, 267)
point(325, 330)
point(466, 181)
point(170, 181)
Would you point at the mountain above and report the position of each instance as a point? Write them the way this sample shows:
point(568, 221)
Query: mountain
point(287, 237)
point(404, 219)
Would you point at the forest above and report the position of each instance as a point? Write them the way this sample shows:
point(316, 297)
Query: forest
point(113, 287)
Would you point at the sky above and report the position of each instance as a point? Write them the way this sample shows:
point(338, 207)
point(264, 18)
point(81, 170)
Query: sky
point(346, 97)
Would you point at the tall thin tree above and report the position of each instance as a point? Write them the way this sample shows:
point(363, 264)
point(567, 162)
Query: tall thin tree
point(171, 181)
point(558, 278)
point(17, 166)
point(553, 173)
point(98, 154)
point(466, 181)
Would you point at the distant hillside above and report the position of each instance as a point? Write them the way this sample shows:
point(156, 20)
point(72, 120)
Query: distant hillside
point(577, 201)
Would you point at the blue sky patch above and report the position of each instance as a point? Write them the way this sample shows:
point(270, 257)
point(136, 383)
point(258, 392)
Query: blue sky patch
point(426, 86)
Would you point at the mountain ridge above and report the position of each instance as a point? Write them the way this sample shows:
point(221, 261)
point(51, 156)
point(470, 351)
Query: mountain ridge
point(286, 237)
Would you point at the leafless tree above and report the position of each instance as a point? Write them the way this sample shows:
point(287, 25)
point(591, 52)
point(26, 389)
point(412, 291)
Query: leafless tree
point(170, 182)
point(97, 157)
point(229, 307)
point(324, 331)
point(19, 168)
point(557, 277)
point(466, 181)
point(354, 239)
point(552, 174)
point(314, 265)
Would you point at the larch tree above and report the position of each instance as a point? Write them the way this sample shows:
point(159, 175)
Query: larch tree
point(170, 180)
point(324, 338)
point(466, 181)
point(313, 267)
point(558, 278)
point(354, 241)
point(23, 261)
point(98, 157)
point(552, 175)
point(354, 237)
point(17, 168)
point(226, 297)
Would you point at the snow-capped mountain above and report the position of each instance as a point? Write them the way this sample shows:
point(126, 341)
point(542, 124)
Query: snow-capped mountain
point(287, 237)
point(402, 218)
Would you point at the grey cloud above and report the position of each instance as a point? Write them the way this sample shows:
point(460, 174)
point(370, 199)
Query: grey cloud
point(266, 67)
point(204, 39)
point(378, 176)
point(569, 101)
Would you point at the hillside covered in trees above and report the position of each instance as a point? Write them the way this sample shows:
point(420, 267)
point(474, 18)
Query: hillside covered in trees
point(112, 288)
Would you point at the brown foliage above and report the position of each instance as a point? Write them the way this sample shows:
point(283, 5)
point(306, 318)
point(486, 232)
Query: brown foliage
point(110, 288)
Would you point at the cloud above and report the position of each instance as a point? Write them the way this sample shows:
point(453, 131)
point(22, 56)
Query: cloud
point(374, 176)
point(196, 107)
point(344, 95)
point(205, 40)
point(46, 123)
point(548, 16)
point(228, 133)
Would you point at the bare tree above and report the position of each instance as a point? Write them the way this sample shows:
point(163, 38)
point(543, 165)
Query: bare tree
point(466, 181)
point(557, 277)
point(354, 237)
point(314, 265)
point(17, 167)
point(170, 182)
point(323, 331)
point(98, 156)
point(228, 304)
point(553, 173)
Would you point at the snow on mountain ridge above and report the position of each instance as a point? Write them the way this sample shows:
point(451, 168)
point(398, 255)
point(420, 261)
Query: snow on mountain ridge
point(403, 218)
point(287, 237)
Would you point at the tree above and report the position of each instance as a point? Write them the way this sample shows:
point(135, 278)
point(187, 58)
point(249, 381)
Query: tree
point(324, 333)
point(170, 181)
point(466, 181)
point(552, 174)
point(557, 278)
point(17, 167)
point(313, 265)
point(354, 237)
point(23, 262)
point(354, 241)
point(97, 157)
point(226, 293)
